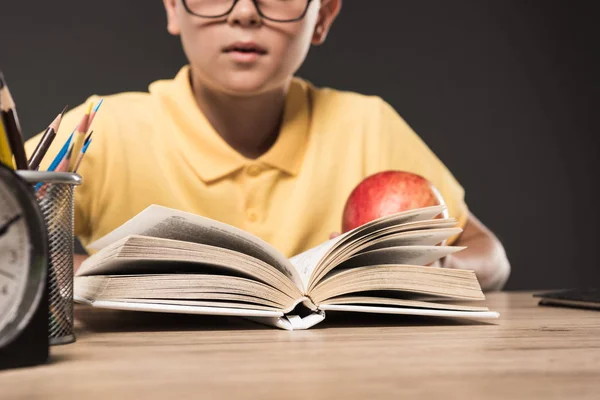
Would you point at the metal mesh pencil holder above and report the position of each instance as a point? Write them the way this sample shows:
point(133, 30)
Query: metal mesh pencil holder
point(55, 192)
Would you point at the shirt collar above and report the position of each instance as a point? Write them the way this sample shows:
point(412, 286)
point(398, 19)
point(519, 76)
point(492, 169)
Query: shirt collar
point(210, 156)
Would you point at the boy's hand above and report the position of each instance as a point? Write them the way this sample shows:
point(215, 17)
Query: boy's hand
point(333, 235)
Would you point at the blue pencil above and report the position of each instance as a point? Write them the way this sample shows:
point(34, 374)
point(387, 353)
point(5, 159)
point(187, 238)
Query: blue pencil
point(98, 105)
point(83, 150)
point(61, 154)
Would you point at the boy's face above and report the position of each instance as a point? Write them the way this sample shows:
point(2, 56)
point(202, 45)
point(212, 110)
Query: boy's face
point(242, 53)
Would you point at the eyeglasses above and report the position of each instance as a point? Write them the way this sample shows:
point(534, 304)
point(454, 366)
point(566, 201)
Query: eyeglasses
point(273, 10)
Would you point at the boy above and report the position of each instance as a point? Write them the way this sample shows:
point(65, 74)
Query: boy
point(237, 138)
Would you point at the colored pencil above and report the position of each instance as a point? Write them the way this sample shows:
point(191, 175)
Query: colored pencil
point(45, 142)
point(82, 154)
point(79, 138)
point(59, 157)
point(12, 126)
point(88, 138)
point(61, 154)
point(64, 164)
point(94, 112)
point(6, 156)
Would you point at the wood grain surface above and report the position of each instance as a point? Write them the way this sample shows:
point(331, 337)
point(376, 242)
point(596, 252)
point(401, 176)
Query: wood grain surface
point(531, 352)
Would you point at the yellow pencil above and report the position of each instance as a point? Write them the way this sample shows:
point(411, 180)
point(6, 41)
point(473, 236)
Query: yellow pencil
point(6, 157)
point(80, 138)
point(5, 153)
point(12, 127)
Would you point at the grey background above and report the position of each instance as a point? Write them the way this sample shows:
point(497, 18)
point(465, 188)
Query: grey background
point(503, 91)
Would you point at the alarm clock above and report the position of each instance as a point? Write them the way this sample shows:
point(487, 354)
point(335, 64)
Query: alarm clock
point(23, 275)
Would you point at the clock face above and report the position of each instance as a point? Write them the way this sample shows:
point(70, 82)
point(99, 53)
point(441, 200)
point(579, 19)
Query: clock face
point(14, 255)
point(23, 255)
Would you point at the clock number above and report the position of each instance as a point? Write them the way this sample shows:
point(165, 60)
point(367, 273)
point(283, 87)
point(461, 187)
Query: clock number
point(12, 256)
point(4, 290)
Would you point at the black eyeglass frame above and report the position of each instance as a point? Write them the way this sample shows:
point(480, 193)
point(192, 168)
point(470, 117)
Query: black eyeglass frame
point(187, 8)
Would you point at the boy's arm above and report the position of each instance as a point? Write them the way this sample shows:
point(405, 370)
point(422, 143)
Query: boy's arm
point(402, 149)
point(484, 254)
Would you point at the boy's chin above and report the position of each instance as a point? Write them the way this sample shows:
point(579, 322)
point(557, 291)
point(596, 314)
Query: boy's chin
point(247, 85)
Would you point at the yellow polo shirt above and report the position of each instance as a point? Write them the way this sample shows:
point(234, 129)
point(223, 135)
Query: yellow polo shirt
point(158, 148)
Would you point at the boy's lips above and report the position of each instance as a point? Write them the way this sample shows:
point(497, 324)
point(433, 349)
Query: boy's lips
point(245, 51)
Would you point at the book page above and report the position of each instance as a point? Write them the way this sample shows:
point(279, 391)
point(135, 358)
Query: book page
point(425, 237)
point(412, 311)
point(203, 303)
point(150, 255)
point(410, 255)
point(168, 223)
point(398, 302)
point(182, 309)
point(307, 263)
point(404, 217)
point(395, 280)
point(377, 235)
point(181, 287)
point(374, 241)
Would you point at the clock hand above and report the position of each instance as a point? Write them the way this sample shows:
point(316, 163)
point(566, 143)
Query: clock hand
point(6, 274)
point(4, 228)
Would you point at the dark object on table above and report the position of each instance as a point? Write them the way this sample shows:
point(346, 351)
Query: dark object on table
point(24, 334)
point(577, 298)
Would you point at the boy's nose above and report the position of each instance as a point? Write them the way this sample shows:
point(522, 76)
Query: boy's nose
point(244, 13)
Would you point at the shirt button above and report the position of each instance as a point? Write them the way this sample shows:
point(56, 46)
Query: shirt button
point(252, 215)
point(254, 170)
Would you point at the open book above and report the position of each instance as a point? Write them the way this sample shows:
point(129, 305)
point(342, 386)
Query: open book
point(165, 260)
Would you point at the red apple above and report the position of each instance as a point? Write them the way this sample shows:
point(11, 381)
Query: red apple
point(386, 193)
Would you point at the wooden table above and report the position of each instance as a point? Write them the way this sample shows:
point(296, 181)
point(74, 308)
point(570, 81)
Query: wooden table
point(532, 352)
